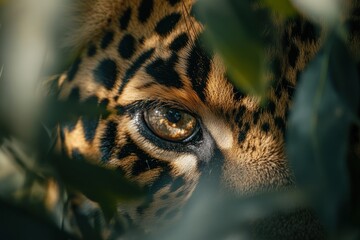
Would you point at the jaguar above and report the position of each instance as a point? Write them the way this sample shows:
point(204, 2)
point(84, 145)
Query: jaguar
point(175, 116)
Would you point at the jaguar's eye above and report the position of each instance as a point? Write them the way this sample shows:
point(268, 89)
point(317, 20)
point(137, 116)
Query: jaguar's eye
point(170, 123)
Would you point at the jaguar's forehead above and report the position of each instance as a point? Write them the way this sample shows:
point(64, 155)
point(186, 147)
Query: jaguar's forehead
point(146, 49)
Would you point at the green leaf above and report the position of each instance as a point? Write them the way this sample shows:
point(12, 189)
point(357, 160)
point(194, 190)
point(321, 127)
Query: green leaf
point(71, 110)
point(2, 2)
point(283, 7)
point(105, 186)
point(344, 75)
point(20, 223)
point(318, 130)
point(236, 32)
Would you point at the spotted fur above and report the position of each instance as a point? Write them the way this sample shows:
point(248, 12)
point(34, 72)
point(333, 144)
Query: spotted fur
point(138, 53)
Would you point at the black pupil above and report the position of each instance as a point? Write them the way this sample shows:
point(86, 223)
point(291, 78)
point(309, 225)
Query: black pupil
point(173, 115)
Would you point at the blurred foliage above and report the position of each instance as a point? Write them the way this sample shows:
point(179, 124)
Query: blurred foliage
point(36, 184)
point(283, 7)
point(246, 61)
point(325, 105)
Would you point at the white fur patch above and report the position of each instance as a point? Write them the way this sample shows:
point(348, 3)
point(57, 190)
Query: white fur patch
point(220, 131)
point(186, 163)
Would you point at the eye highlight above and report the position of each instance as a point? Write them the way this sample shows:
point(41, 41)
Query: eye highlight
point(170, 123)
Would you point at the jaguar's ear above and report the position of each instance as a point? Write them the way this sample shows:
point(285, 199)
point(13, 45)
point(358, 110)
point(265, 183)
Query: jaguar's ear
point(88, 18)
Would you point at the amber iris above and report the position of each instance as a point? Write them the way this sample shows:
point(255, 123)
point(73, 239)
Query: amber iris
point(170, 123)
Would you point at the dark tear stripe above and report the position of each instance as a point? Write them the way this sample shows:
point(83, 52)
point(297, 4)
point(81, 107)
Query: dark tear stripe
point(173, 2)
point(128, 149)
point(145, 163)
point(163, 71)
point(125, 19)
point(108, 141)
point(135, 67)
point(179, 42)
point(145, 9)
point(164, 179)
point(107, 39)
point(167, 24)
point(198, 69)
point(106, 73)
point(127, 46)
point(73, 69)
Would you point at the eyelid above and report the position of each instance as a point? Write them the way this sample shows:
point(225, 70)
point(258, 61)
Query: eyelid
point(151, 103)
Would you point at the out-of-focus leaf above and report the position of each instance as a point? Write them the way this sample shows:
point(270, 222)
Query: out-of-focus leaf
point(4, 129)
point(2, 2)
point(17, 223)
point(239, 218)
point(318, 131)
point(326, 12)
point(284, 7)
point(234, 29)
point(105, 186)
point(71, 110)
point(28, 185)
point(344, 75)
